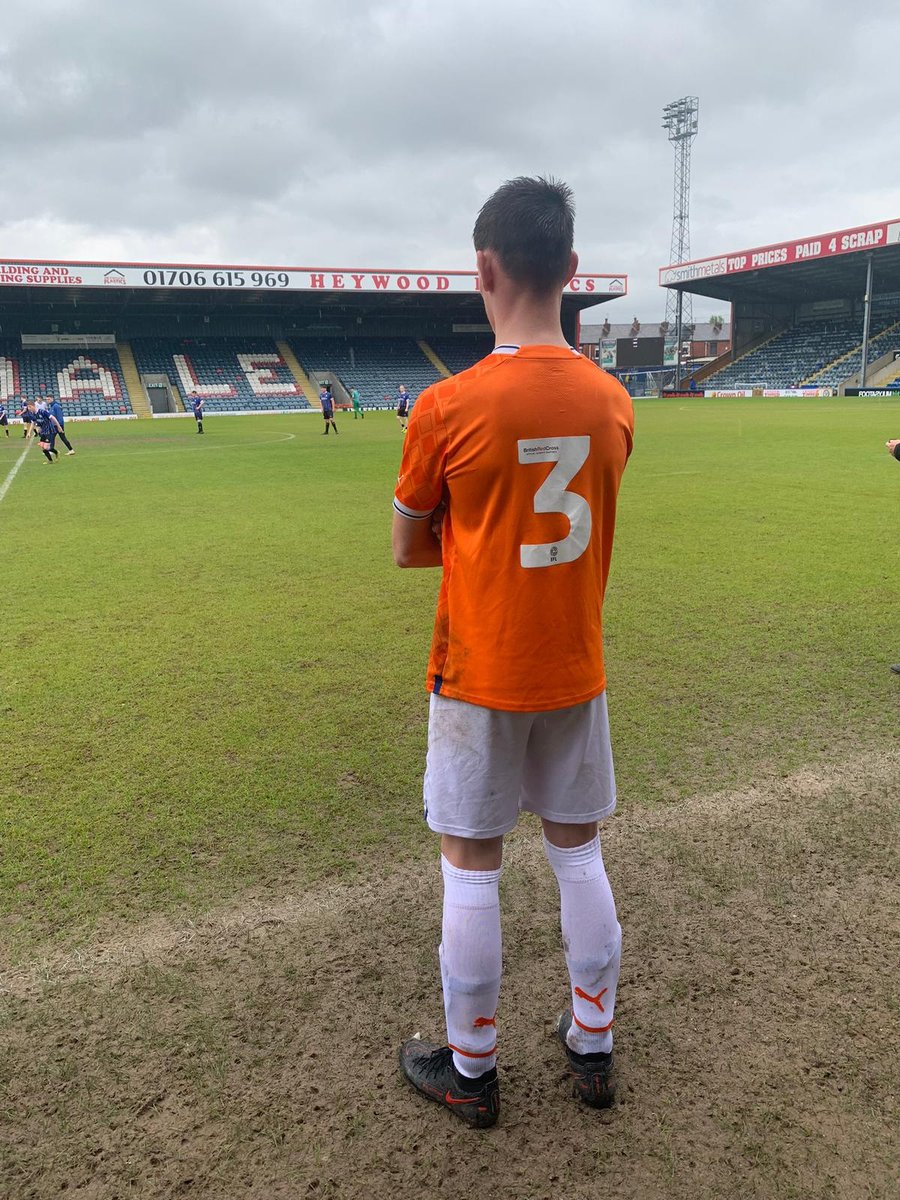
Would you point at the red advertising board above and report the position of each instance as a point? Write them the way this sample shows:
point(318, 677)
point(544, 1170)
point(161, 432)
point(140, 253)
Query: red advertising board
point(825, 245)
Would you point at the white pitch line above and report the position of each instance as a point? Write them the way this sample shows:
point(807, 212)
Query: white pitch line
point(14, 470)
point(666, 474)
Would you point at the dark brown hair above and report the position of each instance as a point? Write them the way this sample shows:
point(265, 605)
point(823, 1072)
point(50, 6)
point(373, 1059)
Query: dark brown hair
point(530, 226)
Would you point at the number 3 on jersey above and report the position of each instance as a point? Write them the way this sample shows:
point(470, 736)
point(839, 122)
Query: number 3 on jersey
point(570, 454)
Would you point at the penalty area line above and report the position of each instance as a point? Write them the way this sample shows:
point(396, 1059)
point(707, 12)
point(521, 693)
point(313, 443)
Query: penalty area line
point(13, 471)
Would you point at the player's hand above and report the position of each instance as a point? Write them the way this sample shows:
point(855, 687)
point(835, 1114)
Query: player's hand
point(437, 520)
point(892, 445)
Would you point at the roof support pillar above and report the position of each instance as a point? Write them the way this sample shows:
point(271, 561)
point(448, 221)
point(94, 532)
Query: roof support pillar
point(867, 316)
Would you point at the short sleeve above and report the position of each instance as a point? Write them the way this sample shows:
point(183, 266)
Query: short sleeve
point(420, 484)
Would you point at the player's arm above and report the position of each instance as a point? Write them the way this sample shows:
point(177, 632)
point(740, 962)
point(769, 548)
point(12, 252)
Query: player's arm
point(893, 447)
point(414, 543)
point(415, 533)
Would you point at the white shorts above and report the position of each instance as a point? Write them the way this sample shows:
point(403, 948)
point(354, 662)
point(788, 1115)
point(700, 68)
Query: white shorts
point(485, 766)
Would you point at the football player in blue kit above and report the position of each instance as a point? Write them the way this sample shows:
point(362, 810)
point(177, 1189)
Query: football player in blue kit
point(197, 409)
point(45, 422)
point(58, 430)
point(27, 416)
point(326, 399)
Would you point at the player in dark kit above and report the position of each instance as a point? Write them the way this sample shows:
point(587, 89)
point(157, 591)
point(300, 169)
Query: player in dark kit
point(197, 409)
point(326, 399)
point(4, 418)
point(57, 413)
point(45, 422)
point(402, 406)
point(27, 416)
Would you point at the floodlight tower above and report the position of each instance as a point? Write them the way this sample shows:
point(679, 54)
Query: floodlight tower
point(680, 118)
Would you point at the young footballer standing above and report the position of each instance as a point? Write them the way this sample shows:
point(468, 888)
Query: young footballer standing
point(326, 399)
point(4, 418)
point(403, 406)
point(197, 410)
point(508, 481)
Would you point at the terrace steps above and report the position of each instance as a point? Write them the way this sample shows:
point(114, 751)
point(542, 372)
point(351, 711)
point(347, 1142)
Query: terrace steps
point(439, 366)
point(137, 396)
point(300, 376)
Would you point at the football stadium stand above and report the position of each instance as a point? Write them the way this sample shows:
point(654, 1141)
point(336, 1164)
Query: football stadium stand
point(848, 366)
point(812, 313)
point(375, 365)
point(136, 339)
point(461, 352)
point(87, 383)
point(811, 353)
point(231, 374)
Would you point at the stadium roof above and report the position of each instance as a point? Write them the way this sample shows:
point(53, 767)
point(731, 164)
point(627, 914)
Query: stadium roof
point(826, 266)
point(114, 285)
point(704, 331)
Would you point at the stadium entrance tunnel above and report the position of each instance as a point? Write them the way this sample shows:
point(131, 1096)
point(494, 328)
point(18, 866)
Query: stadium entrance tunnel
point(160, 397)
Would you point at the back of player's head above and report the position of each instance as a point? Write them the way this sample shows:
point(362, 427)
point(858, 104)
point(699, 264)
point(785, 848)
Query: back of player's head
point(530, 225)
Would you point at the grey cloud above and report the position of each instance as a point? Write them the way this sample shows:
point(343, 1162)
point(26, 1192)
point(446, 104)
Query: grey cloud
point(349, 132)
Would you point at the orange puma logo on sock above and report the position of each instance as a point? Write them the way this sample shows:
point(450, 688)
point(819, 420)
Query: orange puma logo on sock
point(593, 999)
point(483, 1022)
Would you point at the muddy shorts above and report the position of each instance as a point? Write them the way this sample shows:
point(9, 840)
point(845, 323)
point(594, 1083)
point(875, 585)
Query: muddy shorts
point(485, 766)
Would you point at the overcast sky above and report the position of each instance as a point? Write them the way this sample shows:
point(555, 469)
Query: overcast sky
point(366, 133)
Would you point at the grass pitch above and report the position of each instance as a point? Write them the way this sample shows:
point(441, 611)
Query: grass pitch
point(211, 672)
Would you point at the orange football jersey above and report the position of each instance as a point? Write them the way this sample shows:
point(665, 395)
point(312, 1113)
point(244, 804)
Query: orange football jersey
point(527, 450)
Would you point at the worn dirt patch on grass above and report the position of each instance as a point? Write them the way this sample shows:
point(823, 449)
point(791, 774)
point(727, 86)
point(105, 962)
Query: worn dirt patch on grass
point(252, 1053)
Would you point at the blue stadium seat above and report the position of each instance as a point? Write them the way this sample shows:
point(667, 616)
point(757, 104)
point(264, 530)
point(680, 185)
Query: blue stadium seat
point(805, 353)
point(87, 383)
point(460, 351)
point(375, 365)
point(248, 373)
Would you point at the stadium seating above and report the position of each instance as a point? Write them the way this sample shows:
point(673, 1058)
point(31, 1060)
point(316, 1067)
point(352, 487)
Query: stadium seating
point(879, 344)
point(232, 374)
point(88, 383)
point(376, 366)
point(462, 351)
point(804, 354)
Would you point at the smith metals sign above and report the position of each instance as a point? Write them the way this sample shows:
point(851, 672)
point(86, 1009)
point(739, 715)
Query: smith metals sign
point(296, 279)
point(826, 245)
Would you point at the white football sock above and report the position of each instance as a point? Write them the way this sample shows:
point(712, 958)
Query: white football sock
point(592, 938)
point(471, 965)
